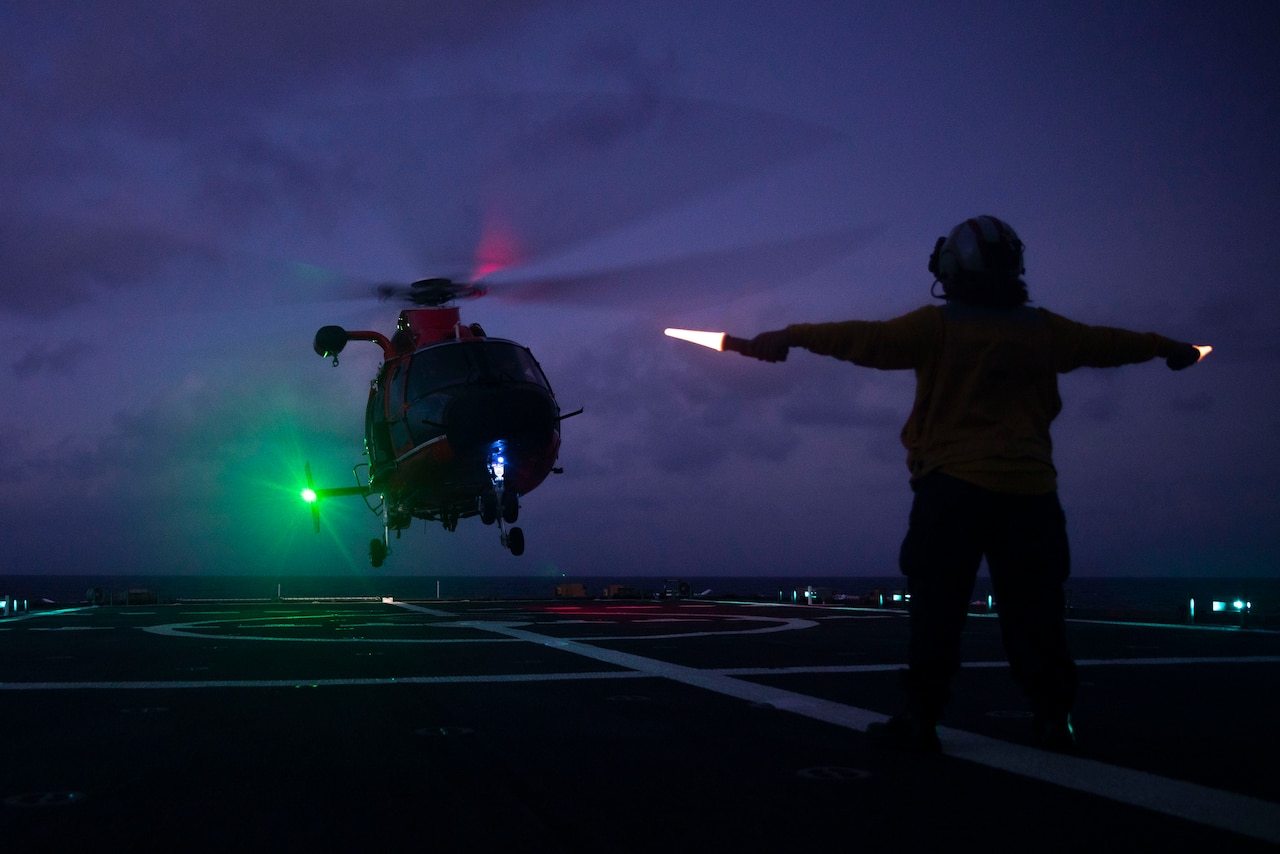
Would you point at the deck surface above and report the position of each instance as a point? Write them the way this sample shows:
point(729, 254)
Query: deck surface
point(577, 725)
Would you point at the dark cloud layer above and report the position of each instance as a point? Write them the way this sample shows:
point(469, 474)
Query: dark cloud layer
point(56, 360)
point(190, 189)
point(159, 67)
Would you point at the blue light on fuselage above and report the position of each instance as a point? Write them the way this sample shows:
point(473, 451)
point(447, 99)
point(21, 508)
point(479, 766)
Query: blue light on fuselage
point(498, 461)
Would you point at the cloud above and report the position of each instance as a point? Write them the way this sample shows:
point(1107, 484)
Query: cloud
point(163, 166)
point(186, 62)
point(53, 359)
point(1099, 408)
point(1201, 401)
point(216, 458)
point(50, 263)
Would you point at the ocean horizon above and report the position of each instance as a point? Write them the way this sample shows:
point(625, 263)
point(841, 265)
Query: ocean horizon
point(1136, 593)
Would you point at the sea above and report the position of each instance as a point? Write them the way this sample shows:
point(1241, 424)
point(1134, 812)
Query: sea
point(1152, 595)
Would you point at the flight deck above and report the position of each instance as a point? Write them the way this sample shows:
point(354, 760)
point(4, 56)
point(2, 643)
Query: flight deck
point(610, 725)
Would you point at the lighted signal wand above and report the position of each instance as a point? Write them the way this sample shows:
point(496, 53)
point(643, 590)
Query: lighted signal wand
point(715, 340)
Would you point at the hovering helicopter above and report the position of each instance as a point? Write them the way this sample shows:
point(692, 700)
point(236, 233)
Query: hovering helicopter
point(543, 188)
point(457, 424)
point(460, 424)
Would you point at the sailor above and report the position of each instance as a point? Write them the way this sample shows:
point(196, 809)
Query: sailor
point(981, 464)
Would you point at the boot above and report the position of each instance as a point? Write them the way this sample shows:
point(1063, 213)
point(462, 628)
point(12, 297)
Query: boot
point(906, 733)
point(1055, 732)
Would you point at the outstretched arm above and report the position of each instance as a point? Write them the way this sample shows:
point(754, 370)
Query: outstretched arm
point(767, 346)
point(895, 344)
point(1077, 345)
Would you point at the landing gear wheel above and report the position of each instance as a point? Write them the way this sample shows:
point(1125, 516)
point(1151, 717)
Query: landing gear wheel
point(377, 552)
point(488, 508)
point(515, 541)
point(510, 507)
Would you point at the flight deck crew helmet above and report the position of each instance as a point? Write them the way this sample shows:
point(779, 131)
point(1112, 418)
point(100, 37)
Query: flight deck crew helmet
point(980, 261)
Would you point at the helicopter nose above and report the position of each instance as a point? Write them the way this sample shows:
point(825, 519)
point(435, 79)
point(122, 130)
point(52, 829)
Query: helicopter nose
point(482, 416)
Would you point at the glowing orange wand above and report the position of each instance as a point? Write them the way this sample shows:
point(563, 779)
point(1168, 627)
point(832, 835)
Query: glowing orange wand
point(715, 340)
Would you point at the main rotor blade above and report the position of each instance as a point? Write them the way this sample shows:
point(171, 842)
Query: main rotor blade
point(691, 278)
point(506, 179)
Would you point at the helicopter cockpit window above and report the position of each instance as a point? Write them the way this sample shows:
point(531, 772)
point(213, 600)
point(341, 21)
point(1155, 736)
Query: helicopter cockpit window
point(506, 362)
point(439, 367)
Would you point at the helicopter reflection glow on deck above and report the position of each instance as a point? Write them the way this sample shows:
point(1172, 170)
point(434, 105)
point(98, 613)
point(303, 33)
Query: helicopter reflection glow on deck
point(714, 340)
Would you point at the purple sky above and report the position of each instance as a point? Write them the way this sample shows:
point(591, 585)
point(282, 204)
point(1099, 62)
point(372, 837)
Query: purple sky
point(188, 189)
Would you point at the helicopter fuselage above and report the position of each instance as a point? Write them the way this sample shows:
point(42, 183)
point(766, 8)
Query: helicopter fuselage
point(442, 417)
point(457, 424)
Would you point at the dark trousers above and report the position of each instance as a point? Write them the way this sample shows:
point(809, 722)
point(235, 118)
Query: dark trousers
point(953, 525)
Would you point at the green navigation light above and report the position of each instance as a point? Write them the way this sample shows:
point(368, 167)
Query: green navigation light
point(309, 495)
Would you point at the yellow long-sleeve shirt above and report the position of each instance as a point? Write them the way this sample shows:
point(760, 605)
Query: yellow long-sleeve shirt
point(986, 382)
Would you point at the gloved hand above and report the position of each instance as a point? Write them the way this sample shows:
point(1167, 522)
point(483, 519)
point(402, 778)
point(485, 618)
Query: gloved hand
point(767, 346)
point(1184, 357)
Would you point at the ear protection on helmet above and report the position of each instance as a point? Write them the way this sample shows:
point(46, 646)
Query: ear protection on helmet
point(933, 256)
point(983, 246)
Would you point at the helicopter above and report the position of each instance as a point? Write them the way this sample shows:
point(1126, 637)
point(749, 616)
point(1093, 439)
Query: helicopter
point(457, 424)
point(460, 424)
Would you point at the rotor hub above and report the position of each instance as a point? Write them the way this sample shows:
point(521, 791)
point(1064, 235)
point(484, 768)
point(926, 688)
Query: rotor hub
point(432, 293)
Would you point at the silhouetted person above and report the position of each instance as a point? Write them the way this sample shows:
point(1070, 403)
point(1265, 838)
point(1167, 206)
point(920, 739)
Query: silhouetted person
point(981, 464)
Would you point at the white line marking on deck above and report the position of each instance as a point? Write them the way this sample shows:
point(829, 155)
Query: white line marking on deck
point(1229, 811)
point(1212, 807)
